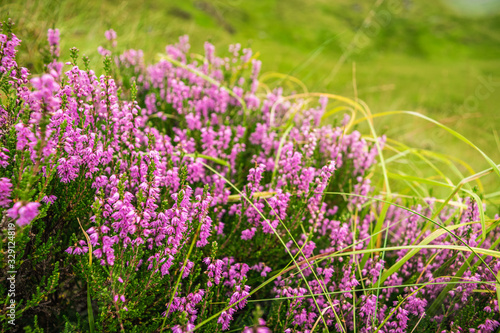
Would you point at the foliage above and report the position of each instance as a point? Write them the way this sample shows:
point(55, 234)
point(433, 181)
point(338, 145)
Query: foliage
point(184, 195)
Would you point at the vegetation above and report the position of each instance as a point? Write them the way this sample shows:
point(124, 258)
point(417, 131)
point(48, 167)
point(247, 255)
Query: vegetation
point(425, 56)
point(181, 189)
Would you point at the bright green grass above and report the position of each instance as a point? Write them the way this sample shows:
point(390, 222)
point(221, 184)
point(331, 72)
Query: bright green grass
point(425, 58)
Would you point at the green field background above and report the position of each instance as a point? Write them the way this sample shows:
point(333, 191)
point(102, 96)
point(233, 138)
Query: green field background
point(432, 57)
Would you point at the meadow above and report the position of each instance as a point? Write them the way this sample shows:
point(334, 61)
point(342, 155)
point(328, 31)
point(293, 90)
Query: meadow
point(249, 166)
point(409, 55)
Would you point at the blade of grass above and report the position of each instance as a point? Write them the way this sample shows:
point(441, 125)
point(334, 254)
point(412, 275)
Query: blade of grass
point(237, 197)
point(492, 195)
point(452, 203)
point(284, 77)
point(90, 311)
point(446, 128)
point(417, 153)
point(418, 180)
point(213, 159)
point(497, 140)
point(498, 287)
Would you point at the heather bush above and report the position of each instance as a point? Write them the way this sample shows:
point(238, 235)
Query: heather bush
point(185, 195)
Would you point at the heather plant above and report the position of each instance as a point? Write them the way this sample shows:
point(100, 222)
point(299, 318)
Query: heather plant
point(187, 195)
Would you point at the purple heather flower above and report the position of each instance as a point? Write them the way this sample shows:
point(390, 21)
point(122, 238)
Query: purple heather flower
point(102, 51)
point(49, 199)
point(248, 233)
point(53, 39)
point(489, 326)
point(23, 214)
point(53, 36)
point(261, 328)
point(5, 191)
point(4, 158)
point(110, 34)
point(186, 329)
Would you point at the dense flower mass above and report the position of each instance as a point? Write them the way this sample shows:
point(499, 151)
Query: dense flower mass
point(199, 192)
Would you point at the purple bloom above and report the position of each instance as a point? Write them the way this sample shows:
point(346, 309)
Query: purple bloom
point(183, 329)
point(110, 34)
point(23, 214)
point(102, 51)
point(489, 326)
point(4, 158)
point(53, 39)
point(53, 36)
point(248, 234)
point(49, 199)
point(261, 328)
point(5, 191)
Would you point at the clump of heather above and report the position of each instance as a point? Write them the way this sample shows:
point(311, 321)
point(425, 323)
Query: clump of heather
point(183, 195)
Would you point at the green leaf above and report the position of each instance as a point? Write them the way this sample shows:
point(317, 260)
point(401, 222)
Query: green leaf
point(90, 311)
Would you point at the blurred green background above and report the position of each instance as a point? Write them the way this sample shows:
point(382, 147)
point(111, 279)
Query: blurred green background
point(440, 58)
